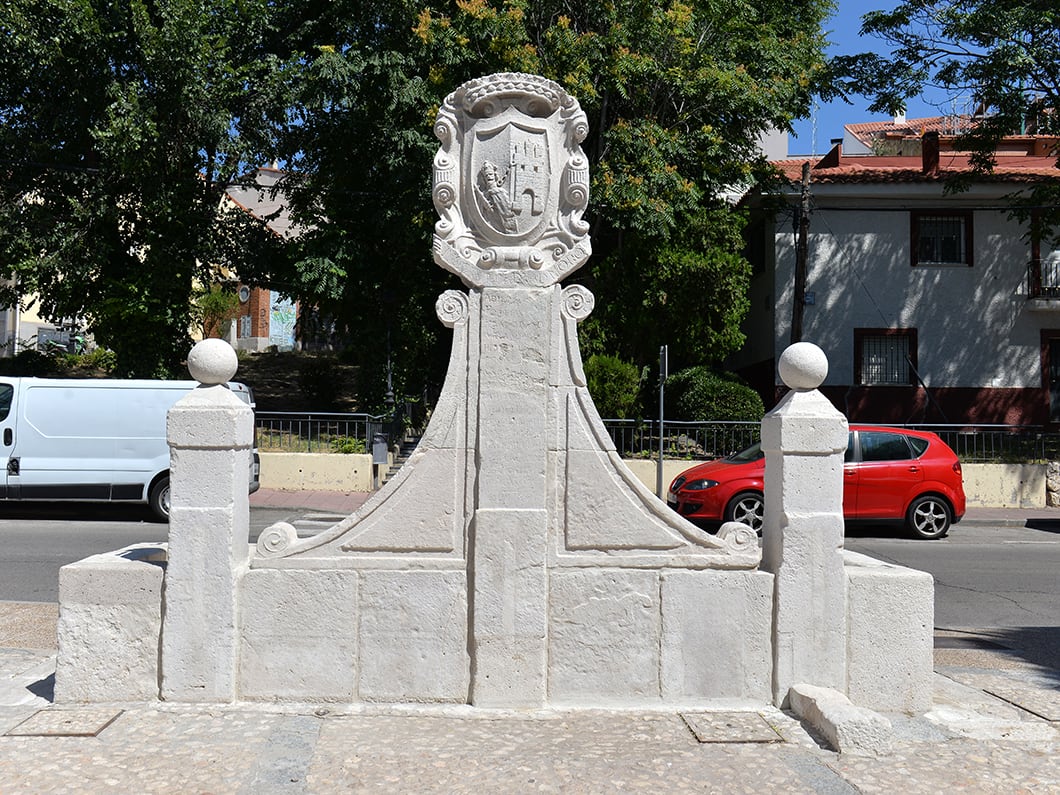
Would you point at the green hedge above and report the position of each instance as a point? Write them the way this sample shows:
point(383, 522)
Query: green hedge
point(699, 394)
point(614, 385)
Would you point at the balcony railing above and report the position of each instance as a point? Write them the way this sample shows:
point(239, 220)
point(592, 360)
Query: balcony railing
point(1043, 279)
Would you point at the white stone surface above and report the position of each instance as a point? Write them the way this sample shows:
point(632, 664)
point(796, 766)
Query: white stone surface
point(110, 615)
point(803, 366)
point(716, 635)
point(849, 729)
point(413, 636)
point(509, 615)
point(212, 361)
point(604, 633)
point(209, 431)
point(891, 626)
point(292, 647)
point(804, 439)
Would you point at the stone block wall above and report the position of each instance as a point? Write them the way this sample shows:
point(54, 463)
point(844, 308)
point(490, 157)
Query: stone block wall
point(110, 619)
point(616, 636)
point(890, 635)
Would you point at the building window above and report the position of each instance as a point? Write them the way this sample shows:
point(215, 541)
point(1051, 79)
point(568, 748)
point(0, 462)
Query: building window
point(941, 238)
point(884, 357)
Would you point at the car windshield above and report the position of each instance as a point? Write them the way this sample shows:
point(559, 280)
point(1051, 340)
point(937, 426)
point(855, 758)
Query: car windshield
point(752, 453)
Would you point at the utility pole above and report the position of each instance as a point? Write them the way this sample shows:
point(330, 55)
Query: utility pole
point(664, 372)
point(801, 253)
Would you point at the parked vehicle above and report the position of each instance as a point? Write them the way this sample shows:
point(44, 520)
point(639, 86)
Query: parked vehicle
point(889, 474)
point(92, 440)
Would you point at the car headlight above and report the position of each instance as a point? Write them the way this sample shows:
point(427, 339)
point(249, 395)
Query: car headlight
point(699, 485)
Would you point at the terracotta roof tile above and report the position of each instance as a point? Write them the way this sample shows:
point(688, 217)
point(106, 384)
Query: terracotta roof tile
point(867, 131)
point(872, 169)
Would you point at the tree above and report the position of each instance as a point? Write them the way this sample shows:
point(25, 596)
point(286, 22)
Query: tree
point(677, 95)
point(122, 122)
point(997, 58)
point(213, 308)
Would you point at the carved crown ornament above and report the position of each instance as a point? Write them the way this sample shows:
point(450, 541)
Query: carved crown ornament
point(511, 182)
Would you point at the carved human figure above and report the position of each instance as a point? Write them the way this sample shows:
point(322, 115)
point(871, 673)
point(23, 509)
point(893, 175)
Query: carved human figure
point(495, 200)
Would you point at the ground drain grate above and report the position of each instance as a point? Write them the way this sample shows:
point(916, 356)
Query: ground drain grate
point(731, 727)
point(79, 722)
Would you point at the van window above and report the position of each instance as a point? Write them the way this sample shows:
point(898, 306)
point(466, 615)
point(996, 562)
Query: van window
point(6, 393)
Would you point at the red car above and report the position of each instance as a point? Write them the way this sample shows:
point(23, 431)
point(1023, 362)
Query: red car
point(889, 474)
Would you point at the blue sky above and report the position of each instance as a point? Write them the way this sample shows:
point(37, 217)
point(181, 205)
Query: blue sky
point(828, 119)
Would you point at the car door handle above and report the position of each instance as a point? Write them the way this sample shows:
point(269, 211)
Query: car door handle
point(7, 437)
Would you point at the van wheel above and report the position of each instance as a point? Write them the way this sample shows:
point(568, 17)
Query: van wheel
point(928, 517)
point(159, 499)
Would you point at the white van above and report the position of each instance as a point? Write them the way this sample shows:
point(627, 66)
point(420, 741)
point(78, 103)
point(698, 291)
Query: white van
point(92, 440)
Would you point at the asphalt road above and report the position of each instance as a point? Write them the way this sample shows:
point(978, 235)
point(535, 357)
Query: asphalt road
point(984, 576)
point(36, 540)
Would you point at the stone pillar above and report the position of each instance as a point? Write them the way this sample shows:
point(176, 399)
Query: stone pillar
point(510, 596)
point(804, 439)
point(210, 434)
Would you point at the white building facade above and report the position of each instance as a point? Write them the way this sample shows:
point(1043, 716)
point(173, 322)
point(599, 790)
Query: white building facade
point(933, 306)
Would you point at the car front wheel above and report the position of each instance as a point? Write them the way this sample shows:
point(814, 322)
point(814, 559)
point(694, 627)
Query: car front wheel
point(928, 517)
point(746, 507)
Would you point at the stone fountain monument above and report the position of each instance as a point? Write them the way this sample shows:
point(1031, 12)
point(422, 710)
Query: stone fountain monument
point(514, 561)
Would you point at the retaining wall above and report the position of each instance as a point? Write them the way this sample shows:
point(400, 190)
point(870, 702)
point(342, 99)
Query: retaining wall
point(985, 485)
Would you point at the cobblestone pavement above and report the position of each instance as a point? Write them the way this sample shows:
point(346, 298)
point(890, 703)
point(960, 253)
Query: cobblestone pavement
point(995, 728)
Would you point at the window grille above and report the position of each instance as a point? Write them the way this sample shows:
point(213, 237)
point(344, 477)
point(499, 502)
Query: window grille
point(942, 240)
point(884, 359)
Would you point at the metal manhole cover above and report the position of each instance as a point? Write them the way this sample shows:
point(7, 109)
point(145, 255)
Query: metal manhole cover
point(731, 727)
point(78, 722)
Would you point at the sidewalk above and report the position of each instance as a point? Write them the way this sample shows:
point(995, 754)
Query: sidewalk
point(344, 502)
point(994, 729)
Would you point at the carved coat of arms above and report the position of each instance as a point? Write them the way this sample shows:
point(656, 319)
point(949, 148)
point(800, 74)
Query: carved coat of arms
point(510, 180)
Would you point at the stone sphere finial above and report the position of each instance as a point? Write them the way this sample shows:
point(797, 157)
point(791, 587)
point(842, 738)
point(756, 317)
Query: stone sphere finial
point(803, 366)
point(212, 361)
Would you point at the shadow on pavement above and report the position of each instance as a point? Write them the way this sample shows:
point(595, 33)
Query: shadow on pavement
point(1038, 646)
point(44, 688)
point(1045, 525)
point(82, 511)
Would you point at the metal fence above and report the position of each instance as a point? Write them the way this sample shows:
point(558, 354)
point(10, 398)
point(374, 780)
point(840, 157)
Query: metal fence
point(682, 440)
point(317, 432)
point(978, 444)
point(973, 444)
point(694, 441)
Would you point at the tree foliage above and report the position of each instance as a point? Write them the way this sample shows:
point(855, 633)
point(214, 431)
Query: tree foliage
point(994, 58)
point(677, 94)
point(121, 123)
point(614, 385)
